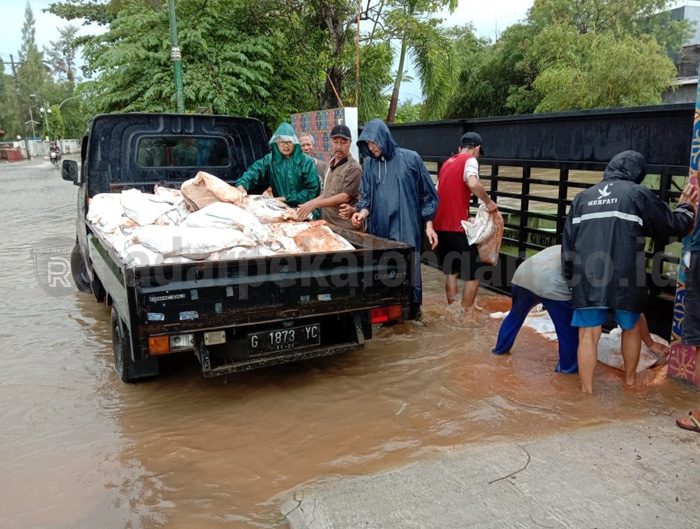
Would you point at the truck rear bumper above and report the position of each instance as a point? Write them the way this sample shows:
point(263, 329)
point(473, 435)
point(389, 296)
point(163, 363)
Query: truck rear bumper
point(339, 334)
point(285, 358)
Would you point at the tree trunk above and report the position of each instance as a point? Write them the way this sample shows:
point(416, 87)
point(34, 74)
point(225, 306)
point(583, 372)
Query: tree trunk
point(393, 103)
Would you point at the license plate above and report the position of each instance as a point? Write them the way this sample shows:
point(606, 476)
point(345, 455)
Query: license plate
point(284, 339)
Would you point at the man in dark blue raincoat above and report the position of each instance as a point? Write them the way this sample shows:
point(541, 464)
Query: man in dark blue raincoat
point(397, 195)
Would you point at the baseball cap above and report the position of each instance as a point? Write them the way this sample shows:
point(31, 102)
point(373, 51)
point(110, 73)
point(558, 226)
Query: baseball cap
point(341, 131)
point(472, 139)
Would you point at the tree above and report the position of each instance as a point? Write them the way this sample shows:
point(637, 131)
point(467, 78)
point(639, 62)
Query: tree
point(573, 54)
point(61, 53)
point(32, 74)
point(409, 22)
point(56, 129)
point(607, 71)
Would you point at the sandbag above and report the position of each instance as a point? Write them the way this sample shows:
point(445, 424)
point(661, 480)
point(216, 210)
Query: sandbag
point(105, 210)
point(205, 189)
point(193, 243)
point(321, 239)
point(223, 215)
point(144, 208)
point(486, 231)
point(268, 209)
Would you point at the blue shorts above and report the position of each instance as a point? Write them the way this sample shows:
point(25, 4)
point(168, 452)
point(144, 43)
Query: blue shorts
point(595, 317)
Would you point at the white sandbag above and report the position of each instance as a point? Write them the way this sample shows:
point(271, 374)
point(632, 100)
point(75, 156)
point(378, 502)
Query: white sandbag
point(268, 209)
point(241, 252)
point(224, 215)
point(486, 231)
point(105, 211)
point(144, 208)
point(172, 196)
point(610, 351)
point(194, 243)
point(140, 255)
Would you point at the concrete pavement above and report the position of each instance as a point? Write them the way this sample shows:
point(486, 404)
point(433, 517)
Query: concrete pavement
point(643, 474)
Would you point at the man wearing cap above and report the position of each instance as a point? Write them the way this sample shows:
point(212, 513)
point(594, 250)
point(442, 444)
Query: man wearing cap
point(290, 173)
point(342, 182)
point(457, 180)
point(308, 147)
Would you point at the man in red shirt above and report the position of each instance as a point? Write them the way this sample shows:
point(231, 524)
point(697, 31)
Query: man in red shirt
point(457, 180)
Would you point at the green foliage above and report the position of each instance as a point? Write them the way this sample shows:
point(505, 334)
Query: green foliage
point(375, 76)
point(411, 22)
point(56, 129)
point(607, 71)
point(408, 112)
point(225, 65)
point(571, 54)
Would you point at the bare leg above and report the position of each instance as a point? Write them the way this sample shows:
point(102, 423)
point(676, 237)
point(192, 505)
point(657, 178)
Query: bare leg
point(451, 288)
point(588, 338)
point(631, 347)
point(469, 293)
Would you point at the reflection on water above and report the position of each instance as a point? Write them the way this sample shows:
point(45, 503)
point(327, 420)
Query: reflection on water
point(82, 450)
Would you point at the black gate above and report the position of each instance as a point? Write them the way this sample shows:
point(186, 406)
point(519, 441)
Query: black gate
point(536, 164)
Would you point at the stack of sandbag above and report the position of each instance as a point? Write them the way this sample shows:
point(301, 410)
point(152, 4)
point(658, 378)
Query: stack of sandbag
point(206, 219)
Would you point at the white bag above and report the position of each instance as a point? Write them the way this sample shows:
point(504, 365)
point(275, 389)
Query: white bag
point(144, 208)
point(224, 215)
point(479, 228)
point(194, 243)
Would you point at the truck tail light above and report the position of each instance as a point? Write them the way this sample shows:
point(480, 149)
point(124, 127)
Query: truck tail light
point(158, 345)
point(385, 314)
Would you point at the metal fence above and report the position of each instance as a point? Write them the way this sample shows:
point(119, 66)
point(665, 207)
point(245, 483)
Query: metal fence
point(534, 165)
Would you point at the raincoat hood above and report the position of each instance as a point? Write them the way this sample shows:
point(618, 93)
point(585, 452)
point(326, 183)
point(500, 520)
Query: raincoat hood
point(377, 132)
point(628, 165)
point(285, 132)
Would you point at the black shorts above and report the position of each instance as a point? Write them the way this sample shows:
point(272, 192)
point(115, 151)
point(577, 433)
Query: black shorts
point(457, 256)
point(691, 319)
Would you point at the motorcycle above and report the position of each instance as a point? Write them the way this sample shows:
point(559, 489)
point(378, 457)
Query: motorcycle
point(55, 157)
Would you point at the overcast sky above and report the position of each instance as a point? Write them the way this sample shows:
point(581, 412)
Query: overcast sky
point(487, 17)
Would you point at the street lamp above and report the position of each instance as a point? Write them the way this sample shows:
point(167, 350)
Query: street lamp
point(45, 110)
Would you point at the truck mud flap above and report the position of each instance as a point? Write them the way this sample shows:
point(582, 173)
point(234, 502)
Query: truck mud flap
point(214, 365)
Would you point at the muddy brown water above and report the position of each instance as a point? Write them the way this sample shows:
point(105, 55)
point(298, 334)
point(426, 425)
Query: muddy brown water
point(82, 450)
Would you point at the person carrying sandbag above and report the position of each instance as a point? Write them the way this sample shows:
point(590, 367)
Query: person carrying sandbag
point(457, 180)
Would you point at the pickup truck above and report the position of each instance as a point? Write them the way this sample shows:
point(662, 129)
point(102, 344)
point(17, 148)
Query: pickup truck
point(233, 315)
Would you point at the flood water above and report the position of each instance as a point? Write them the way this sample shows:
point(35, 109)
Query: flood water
point(82, 450)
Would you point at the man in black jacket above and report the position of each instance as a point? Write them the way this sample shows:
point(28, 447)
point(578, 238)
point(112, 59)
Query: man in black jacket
point(603, 255)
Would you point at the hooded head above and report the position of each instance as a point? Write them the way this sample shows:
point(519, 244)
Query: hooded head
point(284, 133)
point(377, 132)
point(628, 165)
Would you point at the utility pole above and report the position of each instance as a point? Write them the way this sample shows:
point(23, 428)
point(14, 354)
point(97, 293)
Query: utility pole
point(19, 107)
point(176, 56)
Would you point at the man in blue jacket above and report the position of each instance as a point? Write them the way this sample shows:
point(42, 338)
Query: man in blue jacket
point(397, 196)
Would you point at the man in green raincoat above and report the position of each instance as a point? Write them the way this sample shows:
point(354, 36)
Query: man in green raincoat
point(290, 173)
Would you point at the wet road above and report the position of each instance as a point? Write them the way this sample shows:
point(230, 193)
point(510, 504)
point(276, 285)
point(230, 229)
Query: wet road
point(81, 450)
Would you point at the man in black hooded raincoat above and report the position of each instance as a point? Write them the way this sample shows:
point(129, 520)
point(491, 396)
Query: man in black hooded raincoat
point(397, 195)
point(603, 256)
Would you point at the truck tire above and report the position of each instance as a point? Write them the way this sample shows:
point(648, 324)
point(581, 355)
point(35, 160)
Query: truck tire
point(79, 270)
point(121, 346)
